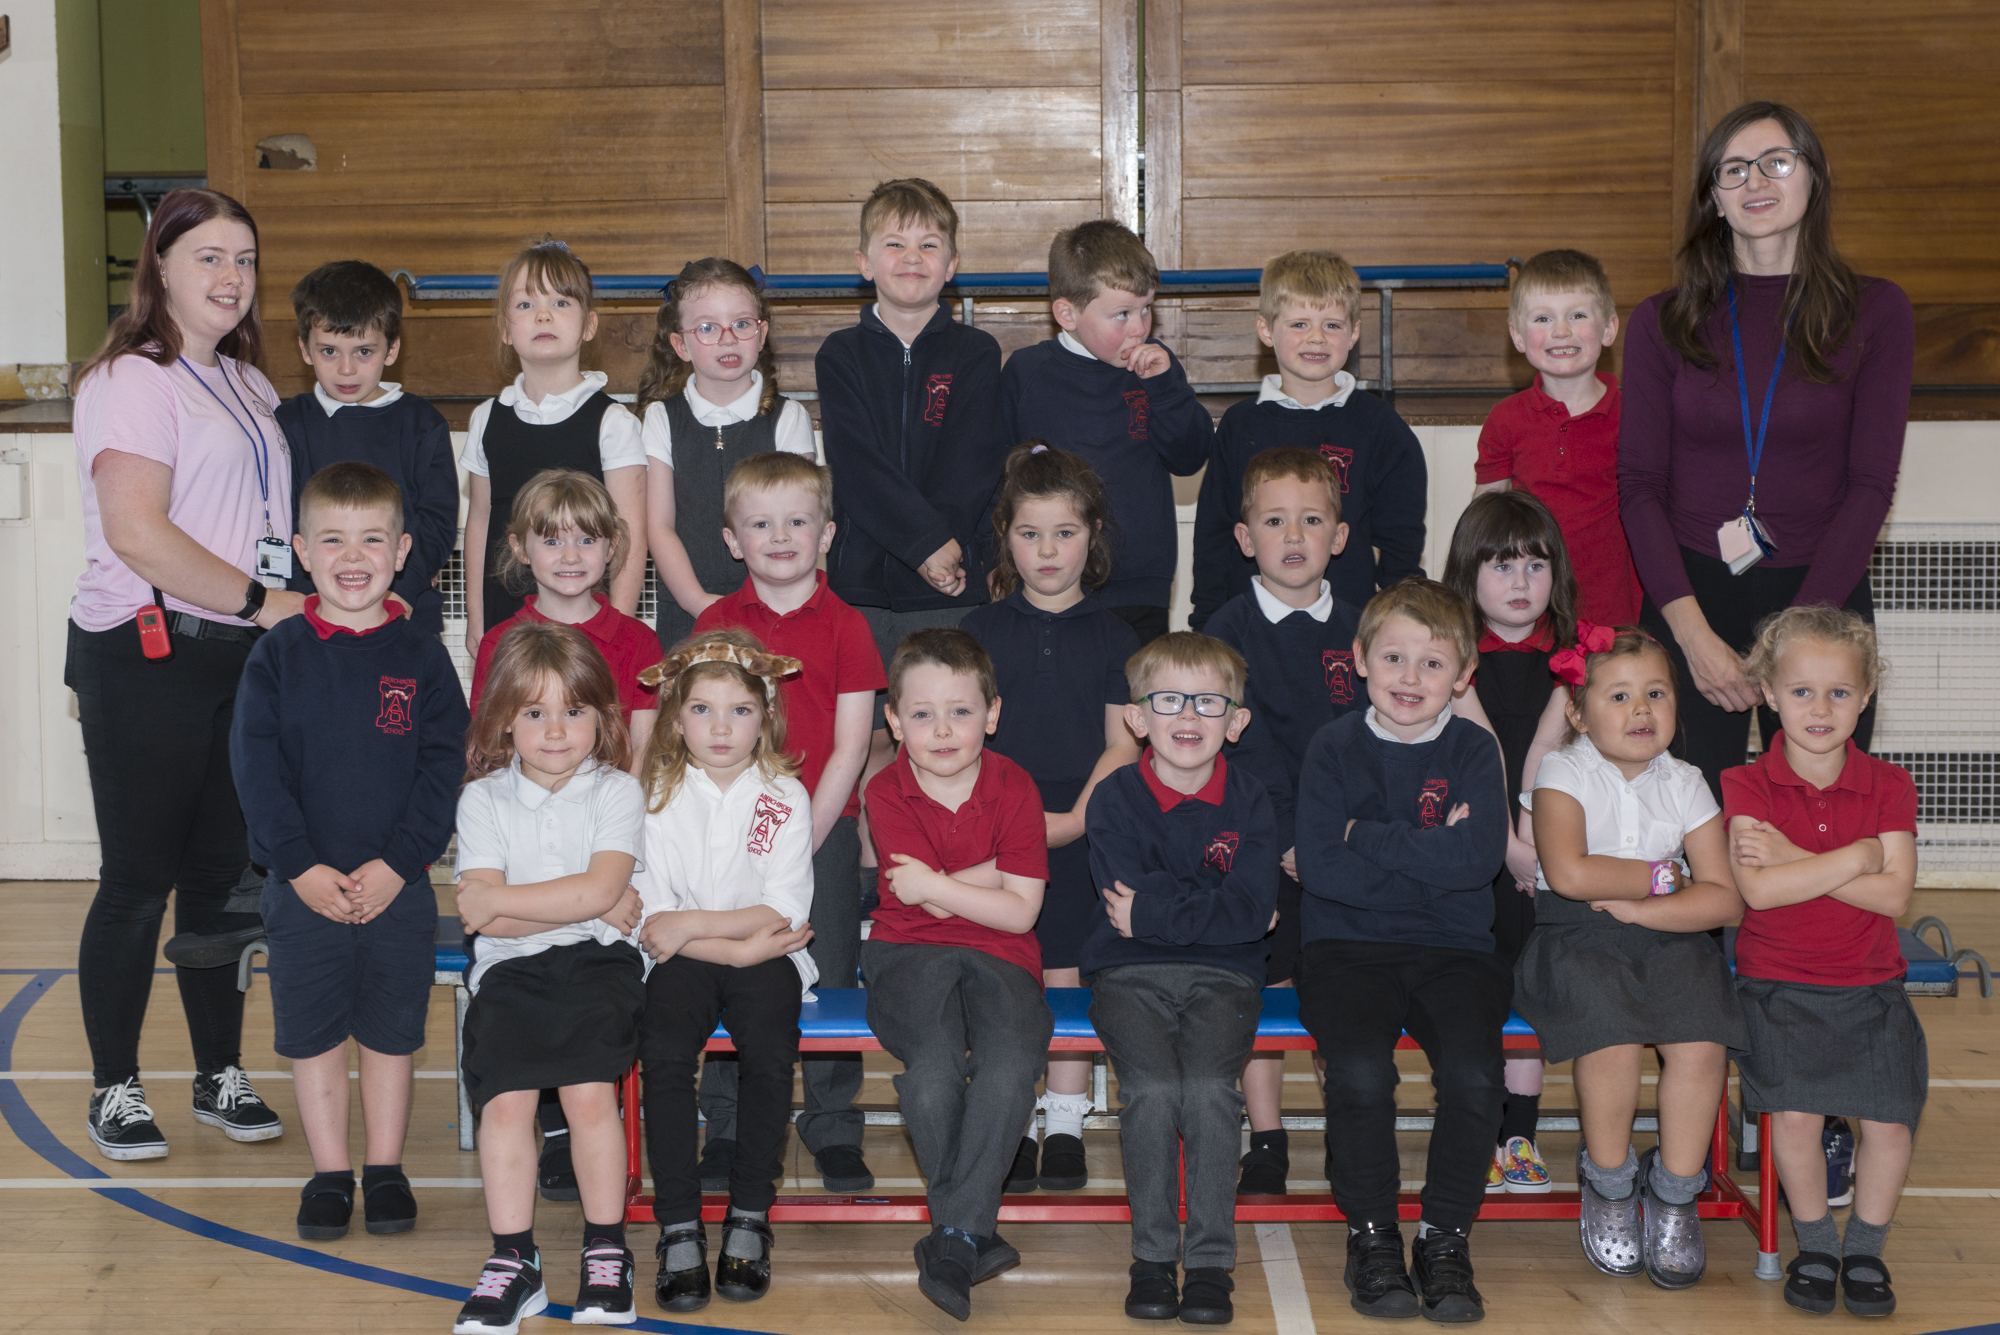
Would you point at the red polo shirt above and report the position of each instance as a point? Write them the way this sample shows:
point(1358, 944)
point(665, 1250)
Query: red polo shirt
point(1823, 940)
point(1169, 798)
point(1001, 821)
point(1571, 465)
point(628, 646)
point(839, 657)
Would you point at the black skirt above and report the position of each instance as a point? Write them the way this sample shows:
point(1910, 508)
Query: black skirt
point(1842, 1051)
point(1584, 988)
point(1070, 903)
point(566, 1016)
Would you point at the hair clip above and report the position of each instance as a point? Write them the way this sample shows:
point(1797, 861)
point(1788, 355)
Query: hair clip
point(1039, 449)
point(1571, 664)
point(768, 667)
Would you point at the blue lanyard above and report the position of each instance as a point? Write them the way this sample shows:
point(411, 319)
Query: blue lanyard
point(260, 453)
point(1754, 448)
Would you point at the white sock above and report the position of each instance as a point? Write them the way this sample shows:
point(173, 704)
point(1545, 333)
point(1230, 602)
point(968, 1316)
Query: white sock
point(1063, 1114)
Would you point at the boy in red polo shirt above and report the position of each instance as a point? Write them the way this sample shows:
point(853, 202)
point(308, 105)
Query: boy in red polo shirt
point(776, 509)
point(1559, 437)
point(953, 964)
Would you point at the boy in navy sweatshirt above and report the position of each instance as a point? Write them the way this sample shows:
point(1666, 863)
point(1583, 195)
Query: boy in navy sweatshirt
point(350, 322)
point(348, 745)
point(1298, 638)
point(1309, 315)
point(1102, 389)
point(1402, 825)
point(1184, 852)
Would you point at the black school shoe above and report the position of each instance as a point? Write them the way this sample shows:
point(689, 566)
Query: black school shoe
point(1377, 1282)
point(1441, 1265)
point(996, 1255)
point(1205, 1297)
point(555, 1174)
point(718, 1161)
point(1063, 1167)
point(1866, 1297)
point(1024, 1175)
point(1154, 1296)
point(1265, 1168)
point(944, 1272)
point(325, 1205)
point(682, 1290)
point(1809, 1293)
point(744, 1279)
point(842, 1169)
point(386, 1203)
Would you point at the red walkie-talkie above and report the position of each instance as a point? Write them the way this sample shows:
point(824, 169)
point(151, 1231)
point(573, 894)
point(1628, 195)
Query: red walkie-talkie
point(153, 639)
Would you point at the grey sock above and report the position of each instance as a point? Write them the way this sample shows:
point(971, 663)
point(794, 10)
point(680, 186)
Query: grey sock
point(1613, 1184)
point(1864, 1239)
point(684, 1255)
point(1817, 1235)
point(741, 1242)
point(1671, 1188)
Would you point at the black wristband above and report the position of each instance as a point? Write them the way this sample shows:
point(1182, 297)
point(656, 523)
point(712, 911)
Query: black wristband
point(253, 601)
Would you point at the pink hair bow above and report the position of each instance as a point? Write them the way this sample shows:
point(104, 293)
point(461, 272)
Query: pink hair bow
point(1568, 664)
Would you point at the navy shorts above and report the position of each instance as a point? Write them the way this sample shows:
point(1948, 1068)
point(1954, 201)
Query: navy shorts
point(334, 981)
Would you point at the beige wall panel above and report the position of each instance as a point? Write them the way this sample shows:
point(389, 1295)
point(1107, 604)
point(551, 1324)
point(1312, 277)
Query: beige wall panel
point(930, 43)
point(1003, 236)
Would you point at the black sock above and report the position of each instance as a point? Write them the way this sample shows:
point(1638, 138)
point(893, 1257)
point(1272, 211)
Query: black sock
point(520, 1244)
point(603, 1235)
point(344, 1179)
point(1271, 1140)
point(369, 1170)
point(1518, 1117)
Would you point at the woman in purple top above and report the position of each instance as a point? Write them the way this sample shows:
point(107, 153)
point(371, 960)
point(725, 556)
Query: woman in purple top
point(1769, 350)
point(186, 486)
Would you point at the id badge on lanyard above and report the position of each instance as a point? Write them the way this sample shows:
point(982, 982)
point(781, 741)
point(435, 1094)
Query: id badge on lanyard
point(1743, 541)
point(273, 553)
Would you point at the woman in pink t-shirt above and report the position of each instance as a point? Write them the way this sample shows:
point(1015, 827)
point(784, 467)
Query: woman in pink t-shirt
point(186, 488)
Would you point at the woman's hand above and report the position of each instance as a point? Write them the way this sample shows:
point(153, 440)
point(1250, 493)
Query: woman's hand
point(1716, 668)
point(279, 604)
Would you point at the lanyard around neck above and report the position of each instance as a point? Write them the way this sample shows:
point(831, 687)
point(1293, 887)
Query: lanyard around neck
point(260, 452)
point(1753, 448)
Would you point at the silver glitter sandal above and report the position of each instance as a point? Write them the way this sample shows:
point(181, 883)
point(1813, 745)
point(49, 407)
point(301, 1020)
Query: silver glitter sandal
point(1676, 1254)
point(1610, 1230)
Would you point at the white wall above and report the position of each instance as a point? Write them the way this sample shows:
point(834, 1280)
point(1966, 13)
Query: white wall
point(32, 327)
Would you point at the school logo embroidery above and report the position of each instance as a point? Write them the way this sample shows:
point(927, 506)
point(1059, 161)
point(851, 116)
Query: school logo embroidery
point(1431, 802)
point(769, 815)
point(1339, 675)
point(1221, 853)
point(399, 699)
point(936, 392)
point(1136, 407)
point(1342, 459)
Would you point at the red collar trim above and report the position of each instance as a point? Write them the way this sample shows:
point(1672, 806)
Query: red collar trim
point(1854, 775)
point(593, 626)
point(1169, 798)
point(750, 598)
point(1548, 403)
point(1542, 639)
point(326, 630)
point(906, 779)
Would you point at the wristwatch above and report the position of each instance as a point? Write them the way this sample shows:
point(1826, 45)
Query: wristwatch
point(253, 602)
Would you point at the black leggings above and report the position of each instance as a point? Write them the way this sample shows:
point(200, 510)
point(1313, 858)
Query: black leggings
point(1708, 736)
point(156, 741)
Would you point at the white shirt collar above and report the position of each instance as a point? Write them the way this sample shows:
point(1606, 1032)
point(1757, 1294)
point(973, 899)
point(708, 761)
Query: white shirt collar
point(555, 407)
point(532, 795)
point(1430, 734)
point(1068, 340)
point(1273, 392)
point(333, 405)
point(739, 409)
point(1590, 758)
point(1275, 611)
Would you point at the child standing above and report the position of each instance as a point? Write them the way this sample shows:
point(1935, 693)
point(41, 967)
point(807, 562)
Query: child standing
point(347, 750)
point(777, 506)
point(1185, 848)
point(726, 887)
point(1103, 389)
point(1634, 876)
point(1823, 840)
point(1402, 826)
point(1047, 636)
point(1508, 561)
point(554, 415)
point(548, 835)
point(954, 970)
point(1559, 436)
point(711, 387)
point(350, 322)
point(1297, 637)
point(1309, 315)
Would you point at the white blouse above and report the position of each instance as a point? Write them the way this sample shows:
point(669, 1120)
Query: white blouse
point(794, 430)
point(1647, 818)
point(618, 443)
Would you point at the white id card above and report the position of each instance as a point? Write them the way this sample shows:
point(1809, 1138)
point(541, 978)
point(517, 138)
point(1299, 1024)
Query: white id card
point(274, 562)
point(1742, 543)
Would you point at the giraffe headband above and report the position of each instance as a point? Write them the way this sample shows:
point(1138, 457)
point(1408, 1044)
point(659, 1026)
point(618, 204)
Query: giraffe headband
point(767, 667)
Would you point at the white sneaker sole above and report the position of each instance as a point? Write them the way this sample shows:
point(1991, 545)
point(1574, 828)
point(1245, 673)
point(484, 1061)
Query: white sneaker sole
point(126, 1153)
point(598, 1316)
point(532, 1306)
point(241, 1134)
point(1528, 1189)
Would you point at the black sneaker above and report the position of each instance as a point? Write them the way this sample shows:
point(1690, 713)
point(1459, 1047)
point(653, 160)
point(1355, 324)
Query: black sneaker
point(605, 1296)
point(555, 1175)
point(1063, 1166)
point(121, 1124)
point(1205, 1297)
point(509, 1289)
point(387, 1204)
point(1441, 1264)
point(1154, 1296)
point(225, 1099)
point(843, 1170)
point(1024, 1175)
point(718, 1160)
point(1377, 1282)
point(944, 1272)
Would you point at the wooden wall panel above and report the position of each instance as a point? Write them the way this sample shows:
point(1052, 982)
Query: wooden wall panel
point(1913, 39)
point(930, 44)
point(995, 236)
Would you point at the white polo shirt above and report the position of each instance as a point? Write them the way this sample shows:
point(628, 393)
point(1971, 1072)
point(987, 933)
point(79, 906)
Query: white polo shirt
point(792, 434)
point(510, 824)
point(618, 443)
point(1647, 818)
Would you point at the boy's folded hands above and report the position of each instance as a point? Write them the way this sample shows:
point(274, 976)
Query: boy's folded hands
point(376, 885)
point(325, 892)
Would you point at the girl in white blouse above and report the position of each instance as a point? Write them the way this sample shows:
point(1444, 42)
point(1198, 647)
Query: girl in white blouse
point(726, 884)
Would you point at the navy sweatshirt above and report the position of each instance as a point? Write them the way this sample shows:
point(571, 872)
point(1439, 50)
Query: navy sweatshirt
point(407, 439)
point(914, 442)
point(1205, 871)
point(348, 748)
point(1401, 874)
point(1301, 678)
point(1134, 432)
point(1383, 490)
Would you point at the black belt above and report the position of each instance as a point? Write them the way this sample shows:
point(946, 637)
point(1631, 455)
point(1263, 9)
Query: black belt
point(201, 628)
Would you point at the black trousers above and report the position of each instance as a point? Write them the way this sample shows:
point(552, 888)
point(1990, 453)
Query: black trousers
point(1709, 737)
point(156, 742)
point(760, 1005)
point(1356, 998)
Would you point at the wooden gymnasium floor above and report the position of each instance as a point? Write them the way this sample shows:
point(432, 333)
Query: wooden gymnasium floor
point(204, 1240)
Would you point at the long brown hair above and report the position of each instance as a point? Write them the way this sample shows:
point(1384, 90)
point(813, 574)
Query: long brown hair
point(667, 755)
point(1036, 471)
point(1823, 296)
point(147, 326)
point(667, 372)
point(1513, 523)
point(529, 653)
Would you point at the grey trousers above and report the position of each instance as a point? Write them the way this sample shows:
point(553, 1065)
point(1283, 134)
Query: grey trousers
point(832, 1079)
point(1177, 1036)
point(972, 1032)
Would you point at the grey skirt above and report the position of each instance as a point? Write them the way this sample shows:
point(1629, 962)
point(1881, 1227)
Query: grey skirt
point(1842, 1051)
point(1586, 988)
